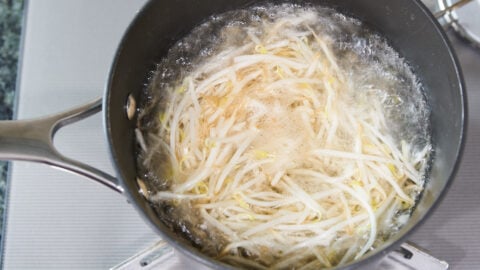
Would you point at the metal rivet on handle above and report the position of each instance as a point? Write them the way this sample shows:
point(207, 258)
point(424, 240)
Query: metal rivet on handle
point(131, 107)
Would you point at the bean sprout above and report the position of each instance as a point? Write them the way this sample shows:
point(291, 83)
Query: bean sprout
point(270, 150)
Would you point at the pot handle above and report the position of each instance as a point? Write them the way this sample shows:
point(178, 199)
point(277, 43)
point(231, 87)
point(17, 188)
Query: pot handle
point(32, 140)
point(442, 12)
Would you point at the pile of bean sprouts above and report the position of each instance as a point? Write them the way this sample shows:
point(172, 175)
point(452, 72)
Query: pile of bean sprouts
point(271, 148)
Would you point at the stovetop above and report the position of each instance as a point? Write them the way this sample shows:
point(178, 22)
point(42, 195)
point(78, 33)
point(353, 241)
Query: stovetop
point(56, 220)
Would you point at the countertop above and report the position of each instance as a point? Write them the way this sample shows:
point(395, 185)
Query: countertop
point(84, 226)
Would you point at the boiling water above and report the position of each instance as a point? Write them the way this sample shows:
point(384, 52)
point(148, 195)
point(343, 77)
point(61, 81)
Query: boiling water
point(375, 71)
point(375, 67)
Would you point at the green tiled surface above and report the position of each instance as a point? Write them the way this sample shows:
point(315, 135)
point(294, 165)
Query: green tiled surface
point(11, 12)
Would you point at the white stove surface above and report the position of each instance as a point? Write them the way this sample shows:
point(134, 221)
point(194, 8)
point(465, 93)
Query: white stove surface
point(56, 220)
